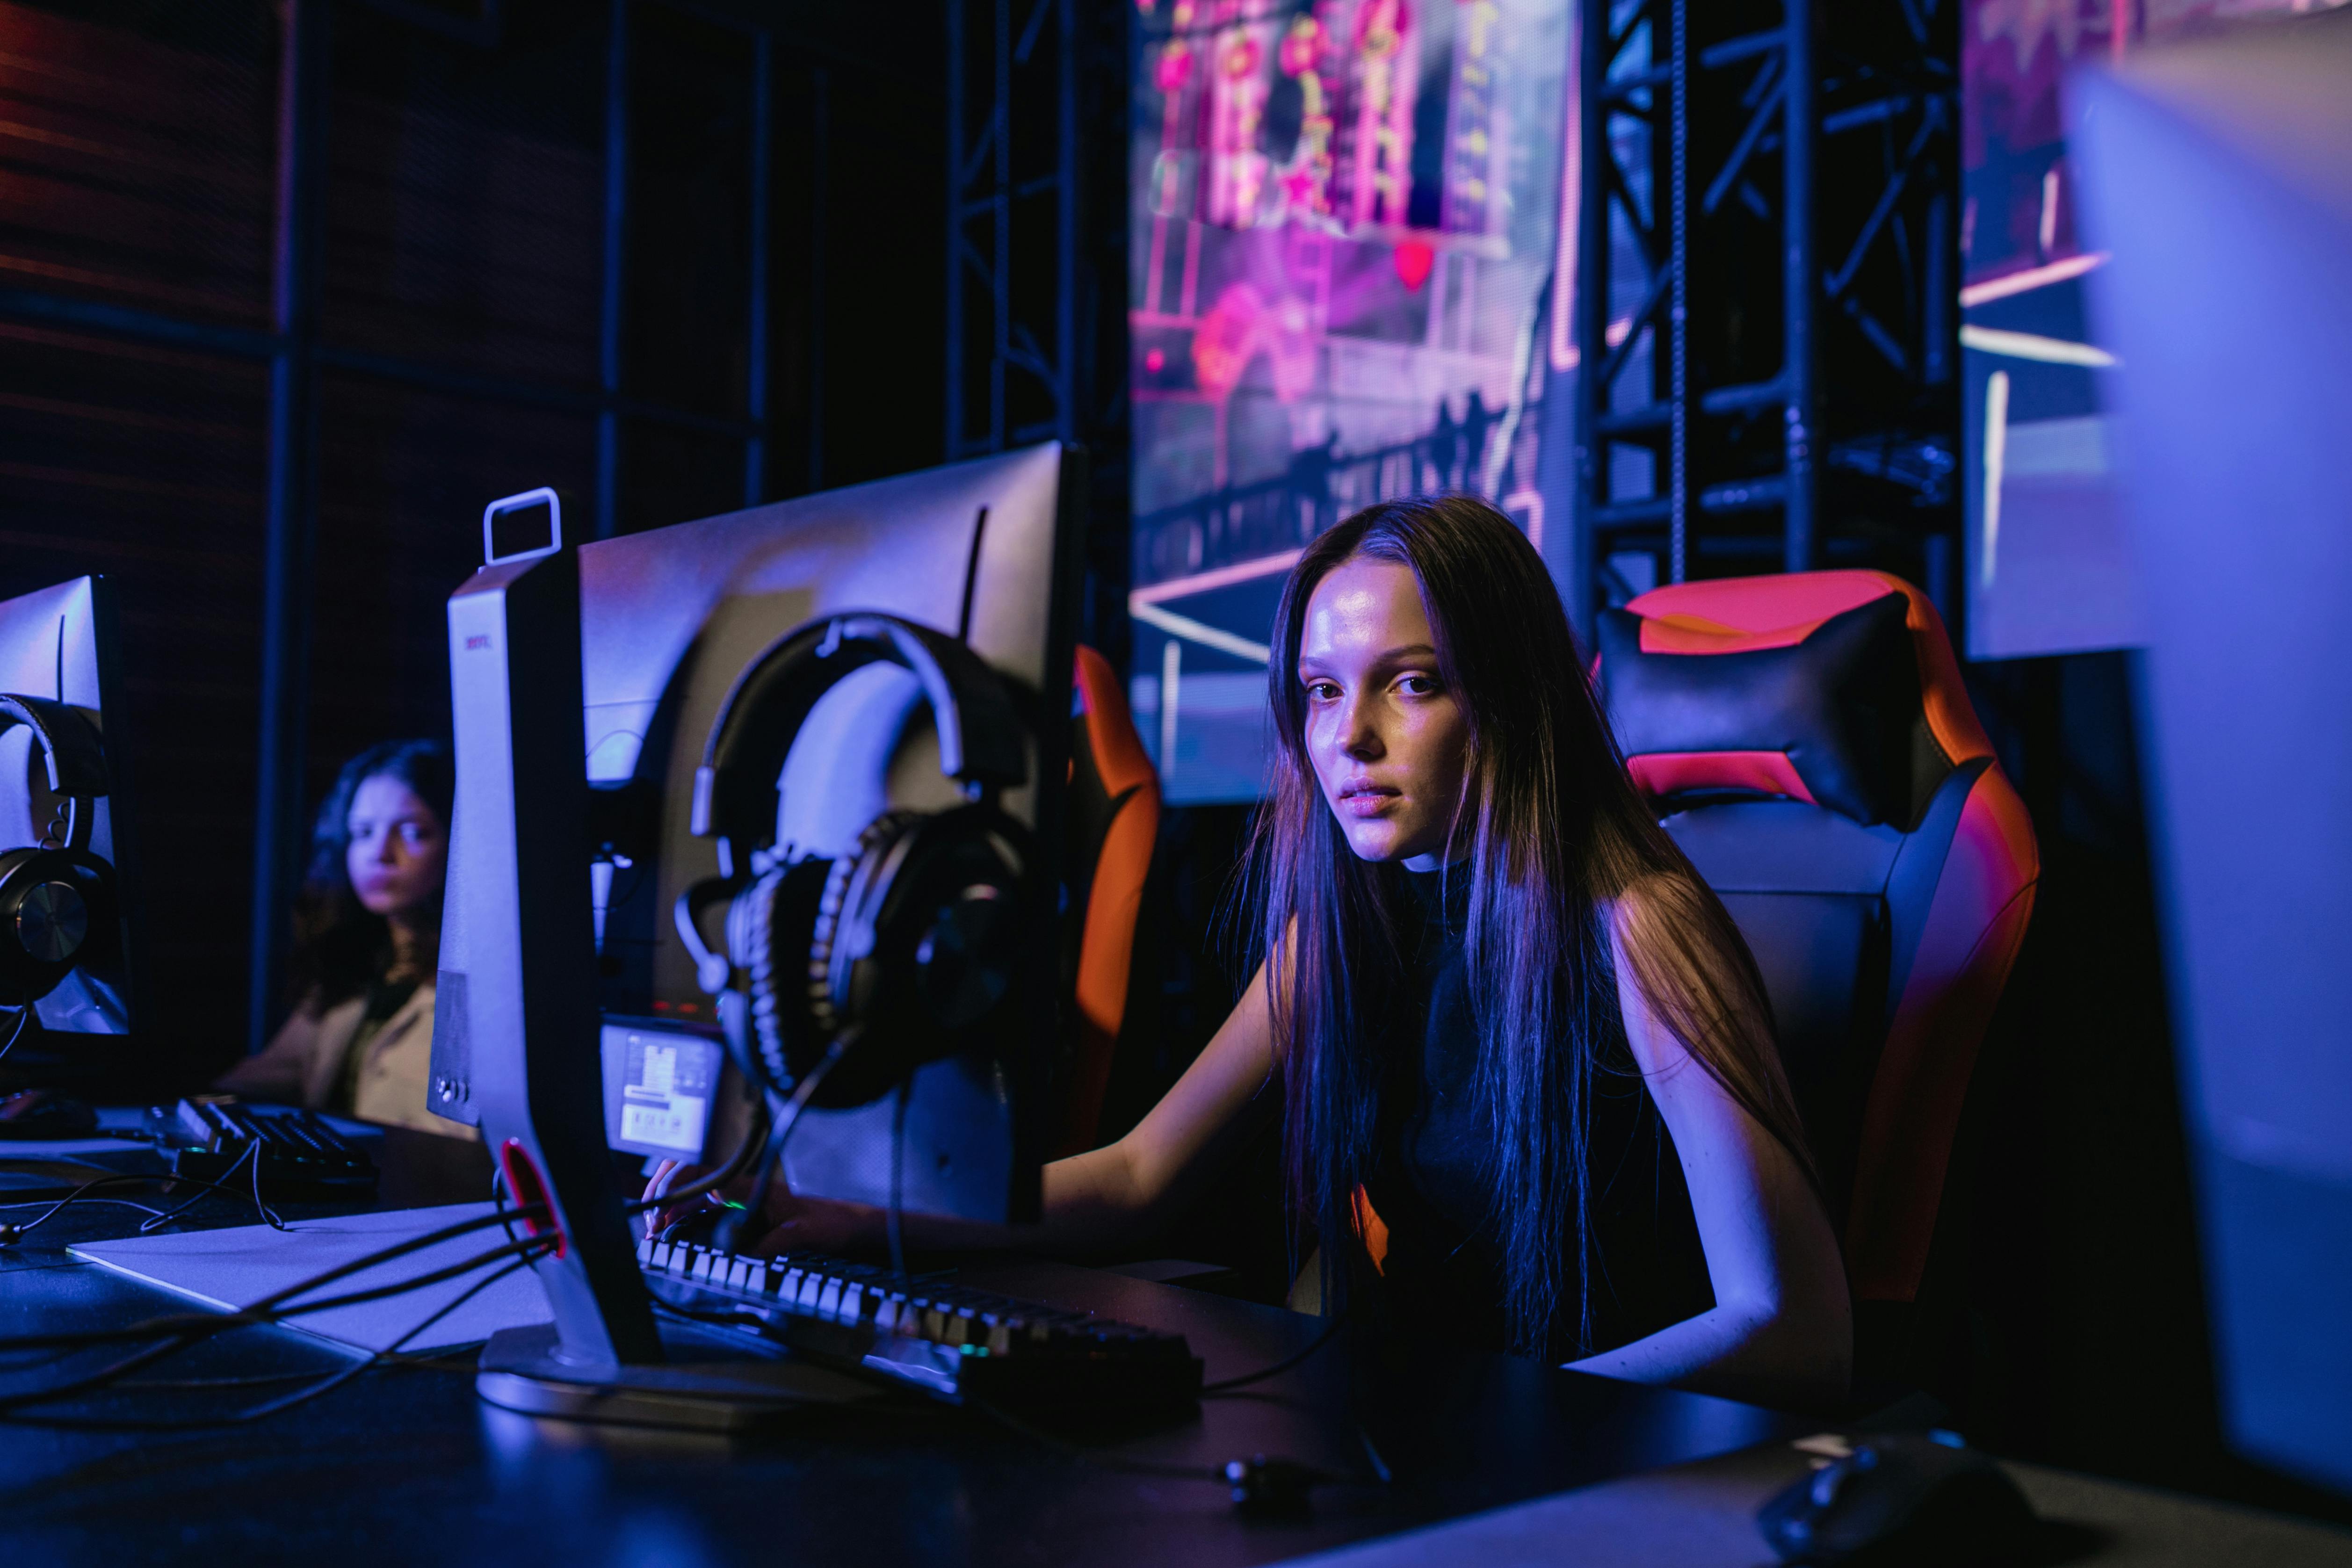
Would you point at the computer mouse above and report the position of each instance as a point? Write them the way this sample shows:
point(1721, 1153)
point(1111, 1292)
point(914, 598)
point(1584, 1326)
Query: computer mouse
point(1902, 1498)
point(37, 1113)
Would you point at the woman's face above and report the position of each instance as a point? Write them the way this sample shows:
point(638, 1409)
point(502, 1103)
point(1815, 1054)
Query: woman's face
point(399, 848)
point(1387, 740)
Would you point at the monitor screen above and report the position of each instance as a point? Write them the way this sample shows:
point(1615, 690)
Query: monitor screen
point(56, 644)
point(2216, 175)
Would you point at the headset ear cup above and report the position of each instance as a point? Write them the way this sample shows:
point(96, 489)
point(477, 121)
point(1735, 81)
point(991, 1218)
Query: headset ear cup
point(920, 910)
point(849, 877)
point(104, 940)
point(768, 927)
point(20, 976)
point(750, 921)
point(80, 922)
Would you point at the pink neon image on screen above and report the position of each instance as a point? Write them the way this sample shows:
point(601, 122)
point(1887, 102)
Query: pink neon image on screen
point(1346, 212)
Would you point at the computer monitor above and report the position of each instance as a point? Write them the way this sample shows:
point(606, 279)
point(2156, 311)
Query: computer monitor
point(613, 663)
point(57, 647)
point(986, 552)
point(983, 553)
point(2214, 173)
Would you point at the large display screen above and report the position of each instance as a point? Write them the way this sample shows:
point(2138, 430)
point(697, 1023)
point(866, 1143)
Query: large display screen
point(1345, 216)
point(2048, 570)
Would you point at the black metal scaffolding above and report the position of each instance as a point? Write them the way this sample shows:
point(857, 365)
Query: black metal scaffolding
point(1741, 405)
point(1013, 223)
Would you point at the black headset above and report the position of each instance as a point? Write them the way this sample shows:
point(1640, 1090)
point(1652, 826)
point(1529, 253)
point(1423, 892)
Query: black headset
point(904, 950)
point(57, 904)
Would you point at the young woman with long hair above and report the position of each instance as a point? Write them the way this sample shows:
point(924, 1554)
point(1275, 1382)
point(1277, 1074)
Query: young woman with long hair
point(367, 938)
point(1523, 1059)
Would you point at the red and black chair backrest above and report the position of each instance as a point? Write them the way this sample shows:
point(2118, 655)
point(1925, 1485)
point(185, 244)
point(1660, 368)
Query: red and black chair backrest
point(1113, 821)
point(1807, 742)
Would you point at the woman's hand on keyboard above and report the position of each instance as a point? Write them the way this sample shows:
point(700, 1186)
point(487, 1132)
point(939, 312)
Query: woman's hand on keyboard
point(787, 1222)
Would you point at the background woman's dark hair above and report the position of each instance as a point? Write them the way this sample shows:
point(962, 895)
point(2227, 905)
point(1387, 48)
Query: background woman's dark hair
point(1555, 838)
point(338, 942)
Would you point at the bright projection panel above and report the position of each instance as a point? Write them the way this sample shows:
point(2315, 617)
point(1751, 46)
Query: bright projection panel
point(1346, 213)
point(2048, 570)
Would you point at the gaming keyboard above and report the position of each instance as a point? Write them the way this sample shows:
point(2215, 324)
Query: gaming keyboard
point(947, 1339)
point(207, 1140)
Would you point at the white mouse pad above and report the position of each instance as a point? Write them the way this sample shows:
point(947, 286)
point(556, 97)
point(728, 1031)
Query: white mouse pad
point(229, 1269)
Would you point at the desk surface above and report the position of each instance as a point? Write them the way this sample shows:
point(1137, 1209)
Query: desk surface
point(405, 1465)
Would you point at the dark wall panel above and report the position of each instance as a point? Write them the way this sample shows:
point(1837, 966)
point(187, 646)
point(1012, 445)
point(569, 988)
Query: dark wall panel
point(146, 466)
point(466, 188)
point(140, 170)
point(403, 475)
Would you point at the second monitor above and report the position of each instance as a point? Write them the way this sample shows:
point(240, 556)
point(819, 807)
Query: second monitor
point(958, 590)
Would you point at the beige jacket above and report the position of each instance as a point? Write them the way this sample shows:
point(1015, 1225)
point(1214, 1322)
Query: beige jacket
point(301, 1065)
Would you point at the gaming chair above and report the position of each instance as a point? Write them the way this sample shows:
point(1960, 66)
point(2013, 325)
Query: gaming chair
point(1807, 741)
point(1113, 821)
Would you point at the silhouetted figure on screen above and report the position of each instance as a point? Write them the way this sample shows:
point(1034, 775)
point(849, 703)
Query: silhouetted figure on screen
point(1478, 423)
point(1446, 448)
point(1309, 477)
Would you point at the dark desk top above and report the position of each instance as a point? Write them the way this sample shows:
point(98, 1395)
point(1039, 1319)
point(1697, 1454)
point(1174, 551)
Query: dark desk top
point(406, 1465)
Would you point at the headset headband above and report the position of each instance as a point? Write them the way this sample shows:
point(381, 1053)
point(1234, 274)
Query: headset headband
point(735, 789)
point(71, 743)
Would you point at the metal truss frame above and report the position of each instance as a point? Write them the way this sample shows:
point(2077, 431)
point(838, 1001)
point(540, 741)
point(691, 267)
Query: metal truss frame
point(1767, 99)
point(1011, 349)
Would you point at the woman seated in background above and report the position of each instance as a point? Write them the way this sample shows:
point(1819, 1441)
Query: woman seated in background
point(1530, 1096)
point(367, 937)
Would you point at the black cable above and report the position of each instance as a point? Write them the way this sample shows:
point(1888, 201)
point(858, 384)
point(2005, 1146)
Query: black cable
point(189, 1328)
point(771, 1157)
point(78, 1195)
point(1260, 1483)
point(894, 1221)
point(17, 1030)
point(1096, 1456)
point(773, 1160)
point(252, 1152)
point(695, 1314)
point(1224, 1384)
point(754, 1138)
point(388, 1356)
point(121, 1202)
point(262, 1310)
point(266, 1212)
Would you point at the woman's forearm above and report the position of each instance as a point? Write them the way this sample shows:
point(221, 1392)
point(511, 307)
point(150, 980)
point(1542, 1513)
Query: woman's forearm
point(1104, 1197)
point(1089, 1201)
point(1737, 1351)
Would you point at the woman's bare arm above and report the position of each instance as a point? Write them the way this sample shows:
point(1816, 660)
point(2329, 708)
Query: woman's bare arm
point(1110, 1193)
point(1781, 1328)
point(1092, 1200)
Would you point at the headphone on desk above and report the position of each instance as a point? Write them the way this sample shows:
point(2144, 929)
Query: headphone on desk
point(900, 951)
point(57, 904)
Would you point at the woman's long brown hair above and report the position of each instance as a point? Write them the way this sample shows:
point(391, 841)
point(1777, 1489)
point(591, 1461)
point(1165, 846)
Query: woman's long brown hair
point(1557, 843)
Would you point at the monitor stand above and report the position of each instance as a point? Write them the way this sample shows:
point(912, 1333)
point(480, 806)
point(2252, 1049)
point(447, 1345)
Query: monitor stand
point(528, 986)
point(706, 1384)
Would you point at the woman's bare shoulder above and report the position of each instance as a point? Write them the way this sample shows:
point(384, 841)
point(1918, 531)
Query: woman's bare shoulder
point(1656, 906)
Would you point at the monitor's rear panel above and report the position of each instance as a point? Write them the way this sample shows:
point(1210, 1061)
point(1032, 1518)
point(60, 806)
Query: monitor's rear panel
point(669, 619)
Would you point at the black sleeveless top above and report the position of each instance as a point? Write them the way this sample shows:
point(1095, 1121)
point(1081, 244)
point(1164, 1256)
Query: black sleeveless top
point(1432, 1181)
